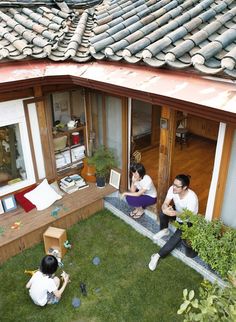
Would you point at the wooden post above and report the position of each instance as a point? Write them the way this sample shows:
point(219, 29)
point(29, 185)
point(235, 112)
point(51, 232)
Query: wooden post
point(45, 128)
point(166, 149)
point(124, 140)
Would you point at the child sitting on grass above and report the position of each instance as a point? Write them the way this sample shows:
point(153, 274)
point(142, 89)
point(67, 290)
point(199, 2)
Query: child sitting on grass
point(44, 287)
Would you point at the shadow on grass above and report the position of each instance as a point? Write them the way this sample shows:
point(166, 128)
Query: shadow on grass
point(120, 288)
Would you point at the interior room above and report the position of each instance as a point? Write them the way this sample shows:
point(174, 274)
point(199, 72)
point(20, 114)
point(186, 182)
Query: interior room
point(193, 154)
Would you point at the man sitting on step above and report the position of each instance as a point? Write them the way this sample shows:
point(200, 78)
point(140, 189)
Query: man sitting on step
point(183, 198)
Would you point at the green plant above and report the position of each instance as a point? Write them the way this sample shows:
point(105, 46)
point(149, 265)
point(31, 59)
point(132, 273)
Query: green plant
point(103, 159)
point(214, 244)
point(214, 304)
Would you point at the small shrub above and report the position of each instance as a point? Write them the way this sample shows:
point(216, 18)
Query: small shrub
point(214, 304)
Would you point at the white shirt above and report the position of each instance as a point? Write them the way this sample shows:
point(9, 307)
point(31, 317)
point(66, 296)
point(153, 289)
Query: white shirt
point(190, 200)
point(147, 184)
point(40, 285)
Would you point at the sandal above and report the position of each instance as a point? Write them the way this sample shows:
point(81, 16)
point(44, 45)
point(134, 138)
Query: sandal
point(133, 213)
point(138, 214)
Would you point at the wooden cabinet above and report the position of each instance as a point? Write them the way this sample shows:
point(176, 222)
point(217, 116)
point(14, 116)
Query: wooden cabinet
point(202, 127)
point(69, 148)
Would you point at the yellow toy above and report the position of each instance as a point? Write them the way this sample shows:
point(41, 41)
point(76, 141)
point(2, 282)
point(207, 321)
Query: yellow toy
point(30, 272)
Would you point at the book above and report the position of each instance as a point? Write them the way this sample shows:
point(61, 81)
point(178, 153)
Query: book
point(84, 186)
point(68, 181)
point(73, 183)
point(69, 189)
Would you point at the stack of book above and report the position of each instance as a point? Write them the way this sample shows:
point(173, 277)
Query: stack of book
point(73, 183)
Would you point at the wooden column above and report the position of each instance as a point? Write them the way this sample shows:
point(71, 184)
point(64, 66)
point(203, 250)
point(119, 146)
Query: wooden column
point(166, 149)
point(45, 127)
point(223, 174)
point(155, 124)
point(124, 140)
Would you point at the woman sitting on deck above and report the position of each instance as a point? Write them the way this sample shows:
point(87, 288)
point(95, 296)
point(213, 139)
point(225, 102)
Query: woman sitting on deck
point(142, 191)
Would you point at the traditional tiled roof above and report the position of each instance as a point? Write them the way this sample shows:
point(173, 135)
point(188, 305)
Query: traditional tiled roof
point(179, 34)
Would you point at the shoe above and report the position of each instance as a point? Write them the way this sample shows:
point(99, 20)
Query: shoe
point(138, 214)
point(153, 262)
point(161, 233)
point(83, 289)
point(133, 212)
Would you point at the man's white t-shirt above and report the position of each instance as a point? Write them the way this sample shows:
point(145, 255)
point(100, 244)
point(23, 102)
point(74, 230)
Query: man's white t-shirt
point(190, 201)
point(40, 285)
point(147, 184)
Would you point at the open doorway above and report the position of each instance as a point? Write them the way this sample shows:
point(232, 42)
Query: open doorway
point(145, 136)
point(195, 154)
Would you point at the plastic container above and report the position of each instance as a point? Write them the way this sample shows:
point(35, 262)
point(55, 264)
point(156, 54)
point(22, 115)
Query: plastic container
point(75, 138)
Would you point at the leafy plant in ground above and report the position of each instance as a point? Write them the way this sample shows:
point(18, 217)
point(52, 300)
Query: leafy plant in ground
point(214, 304)
point(214, 244)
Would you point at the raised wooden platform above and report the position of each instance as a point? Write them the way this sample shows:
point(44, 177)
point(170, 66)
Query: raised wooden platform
point(72, 208)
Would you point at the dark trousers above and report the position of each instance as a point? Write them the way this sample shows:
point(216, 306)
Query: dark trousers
point(174, 240)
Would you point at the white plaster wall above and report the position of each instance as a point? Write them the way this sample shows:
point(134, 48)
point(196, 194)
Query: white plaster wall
point(215, 174)
point(228, 213)
point(34, 125)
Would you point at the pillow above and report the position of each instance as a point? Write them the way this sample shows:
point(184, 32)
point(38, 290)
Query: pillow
point(43, 195)
point(22, 201)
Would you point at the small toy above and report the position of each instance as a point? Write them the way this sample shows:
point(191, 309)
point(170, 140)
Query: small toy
point(76, 302)
point(97, 290)
point(16, 225)
point(96, 260)
point(83, 288)
point(55, 252)
point(54, 212)
point(30, 272)
point(67, 244)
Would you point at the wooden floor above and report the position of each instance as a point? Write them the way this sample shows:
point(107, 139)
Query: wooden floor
point(73, 207)
point(196, 159)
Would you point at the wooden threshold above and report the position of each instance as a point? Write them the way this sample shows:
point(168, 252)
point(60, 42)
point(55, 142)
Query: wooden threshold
point(72, 208)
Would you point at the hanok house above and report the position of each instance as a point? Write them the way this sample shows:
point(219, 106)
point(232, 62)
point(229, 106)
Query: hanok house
point(149, 78)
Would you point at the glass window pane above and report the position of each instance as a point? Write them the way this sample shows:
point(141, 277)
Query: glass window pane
point(12, 165)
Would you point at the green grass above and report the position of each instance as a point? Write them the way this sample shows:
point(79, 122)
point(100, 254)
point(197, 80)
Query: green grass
point(121, 288)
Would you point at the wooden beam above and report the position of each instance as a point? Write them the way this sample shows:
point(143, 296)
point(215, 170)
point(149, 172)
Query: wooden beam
point(223, 174)
point(166, 149)
point(14, 95)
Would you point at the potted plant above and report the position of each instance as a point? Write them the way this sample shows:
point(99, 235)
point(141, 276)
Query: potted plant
point(103, 159)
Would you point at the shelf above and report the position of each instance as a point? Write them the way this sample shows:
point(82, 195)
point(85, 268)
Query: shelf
point(70, 156)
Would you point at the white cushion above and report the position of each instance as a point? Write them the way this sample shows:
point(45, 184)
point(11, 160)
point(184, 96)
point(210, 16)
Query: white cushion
point(43, 195)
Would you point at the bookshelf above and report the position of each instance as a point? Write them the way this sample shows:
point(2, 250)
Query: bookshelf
point(69, 148)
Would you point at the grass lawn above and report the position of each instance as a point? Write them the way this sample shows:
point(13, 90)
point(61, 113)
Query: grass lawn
point(121, 288)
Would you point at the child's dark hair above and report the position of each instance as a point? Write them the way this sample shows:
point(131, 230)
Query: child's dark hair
point(185, 179)
point(49, 265)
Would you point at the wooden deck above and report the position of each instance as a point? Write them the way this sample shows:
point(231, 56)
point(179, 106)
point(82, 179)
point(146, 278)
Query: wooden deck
point(72, 208)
